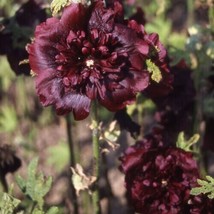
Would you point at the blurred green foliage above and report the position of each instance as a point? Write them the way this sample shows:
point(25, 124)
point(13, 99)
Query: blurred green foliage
point(58, 156)
point(6, 75)
point(8, 118)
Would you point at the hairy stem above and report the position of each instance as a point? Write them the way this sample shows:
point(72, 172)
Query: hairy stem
point(96, 158)
point(72, 161)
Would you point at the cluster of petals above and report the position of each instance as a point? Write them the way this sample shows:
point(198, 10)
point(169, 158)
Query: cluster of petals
point(159, 178)
point(93, 53)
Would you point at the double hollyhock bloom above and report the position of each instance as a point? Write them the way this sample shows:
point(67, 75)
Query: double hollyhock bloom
point(177, 105)
point(159, 178)
point(92, 53)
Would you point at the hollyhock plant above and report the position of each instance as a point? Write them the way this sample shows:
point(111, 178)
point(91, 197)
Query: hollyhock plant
point(16, 33)
point(158, 178)
point(177, 105)
point(92, 53)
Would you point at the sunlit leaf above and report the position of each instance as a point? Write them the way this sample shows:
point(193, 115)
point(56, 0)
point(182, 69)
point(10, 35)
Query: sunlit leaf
point(154, 70)
point(57, 5)
point(186, 144)
point(206, 187)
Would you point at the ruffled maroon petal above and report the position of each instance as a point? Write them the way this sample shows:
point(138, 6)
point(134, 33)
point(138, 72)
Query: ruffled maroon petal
point(138, 81)
point(76, 103)
point(102, 19)
point(74, 17)
point(49, 88)
point(42, 51)
point(117, 99)
point(125, 36)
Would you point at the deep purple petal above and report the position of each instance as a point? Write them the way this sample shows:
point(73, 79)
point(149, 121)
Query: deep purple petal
point(117, 99)
point(76, 103)
point(74, 17)
point(102, 18)
point(42, 51)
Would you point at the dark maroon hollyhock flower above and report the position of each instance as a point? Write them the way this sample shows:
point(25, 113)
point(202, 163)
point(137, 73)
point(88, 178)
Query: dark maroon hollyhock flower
point(175, 110)
point(9, 162)
point(17, 33)
point(90, 53)
point(126, 122)
point(158, 178)
point(199, 204)
point(183, 92)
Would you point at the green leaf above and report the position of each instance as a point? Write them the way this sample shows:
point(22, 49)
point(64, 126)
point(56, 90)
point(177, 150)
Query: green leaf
point(37, 211)
point(6, 75)
point(57, 5)
point(163, 6)
point(154, 70)
point(206, 187)
point(186, 144)
point(178, 54)
point(162, 26)
point(8, 204)
point(8, 118)
point(53, 210)
point(177, 40)
point(36, 186)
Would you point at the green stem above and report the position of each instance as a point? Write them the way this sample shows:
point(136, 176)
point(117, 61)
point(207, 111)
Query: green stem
point(72, 161)
point(70, 141)
point(211, 16)
point(190, 9)
point(33, 207)
point(96, 158)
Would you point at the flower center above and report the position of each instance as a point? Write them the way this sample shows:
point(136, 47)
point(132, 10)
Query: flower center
point(89, 63)
point(164, 183)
